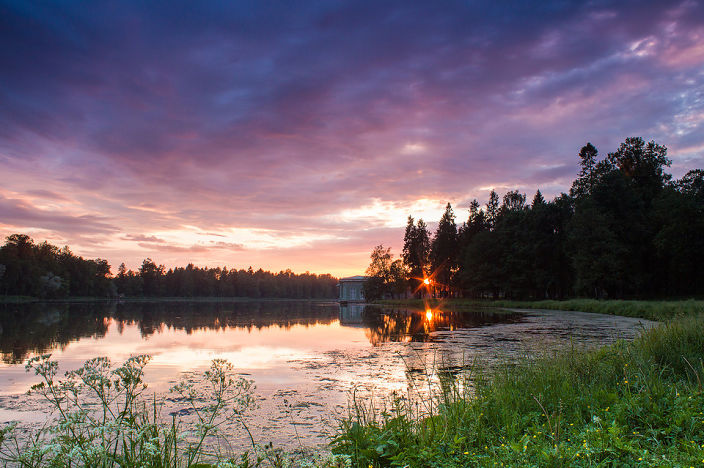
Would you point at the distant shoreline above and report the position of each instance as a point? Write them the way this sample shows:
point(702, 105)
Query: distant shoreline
point(103, 300)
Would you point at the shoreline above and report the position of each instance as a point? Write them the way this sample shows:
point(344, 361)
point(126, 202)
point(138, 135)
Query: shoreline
point(176, 299)
point(631, 403)
point(657, 310)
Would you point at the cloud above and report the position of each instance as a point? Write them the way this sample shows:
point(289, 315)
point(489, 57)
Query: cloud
point(143, 238)
point(20, 214)
point(286, 123)
point(47, 195)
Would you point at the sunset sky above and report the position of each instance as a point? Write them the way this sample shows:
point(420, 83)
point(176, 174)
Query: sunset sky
point(301, 134)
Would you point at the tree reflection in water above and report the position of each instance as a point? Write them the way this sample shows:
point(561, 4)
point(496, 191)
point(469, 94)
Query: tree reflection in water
point(409, 324)
point(27, 329)
point(439, 364)
point(38, 328)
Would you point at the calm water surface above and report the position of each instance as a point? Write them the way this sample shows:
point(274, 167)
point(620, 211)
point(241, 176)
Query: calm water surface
point(304, 357)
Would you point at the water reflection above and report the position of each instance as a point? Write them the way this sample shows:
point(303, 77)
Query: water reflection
point(27, 329)
point(404, 324)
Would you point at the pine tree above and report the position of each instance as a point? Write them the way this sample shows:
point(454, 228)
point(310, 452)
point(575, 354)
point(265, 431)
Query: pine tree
point(538, 200)
point(586, 180)
point(416, 247)
point(444, 248)
point(492, 209)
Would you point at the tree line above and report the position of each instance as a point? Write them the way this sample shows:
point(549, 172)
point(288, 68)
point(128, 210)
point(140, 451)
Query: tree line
point(626, 229)
point(46, 271)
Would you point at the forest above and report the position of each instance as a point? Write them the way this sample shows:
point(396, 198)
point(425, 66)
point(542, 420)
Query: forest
point(45, 271)
point(626, 229)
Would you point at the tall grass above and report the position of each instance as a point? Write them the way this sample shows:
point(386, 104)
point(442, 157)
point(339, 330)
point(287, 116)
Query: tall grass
point(628, 404)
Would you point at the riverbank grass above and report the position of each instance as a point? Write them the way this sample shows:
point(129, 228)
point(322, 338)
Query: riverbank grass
point(628, 404)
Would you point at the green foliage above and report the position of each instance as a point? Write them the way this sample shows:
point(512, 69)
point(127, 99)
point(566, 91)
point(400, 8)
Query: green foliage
point(104, 419)
point(624, 231)
point(45, 271)
point(521, 255)
point(193, 281)
point(444, 249)
point(629, 404)
point(385, 276)
point(416, 251)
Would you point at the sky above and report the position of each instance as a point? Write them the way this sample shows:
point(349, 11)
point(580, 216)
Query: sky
point(302, 134)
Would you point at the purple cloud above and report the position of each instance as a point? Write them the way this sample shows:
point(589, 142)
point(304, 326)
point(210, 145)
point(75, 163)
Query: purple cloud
point(249, 122)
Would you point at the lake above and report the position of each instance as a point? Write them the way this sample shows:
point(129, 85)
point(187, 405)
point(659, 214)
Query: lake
point(305, 357)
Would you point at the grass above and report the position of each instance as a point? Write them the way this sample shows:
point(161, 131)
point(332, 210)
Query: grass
point(652, 310)
point(628, 404)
